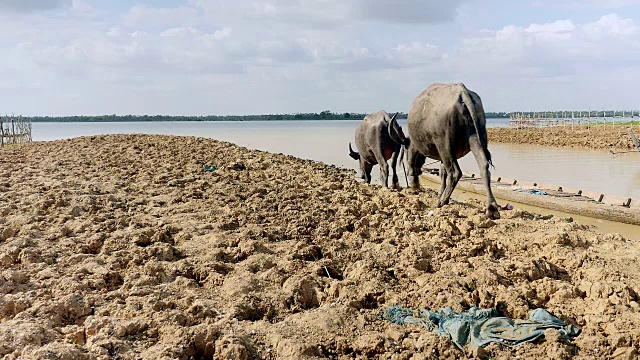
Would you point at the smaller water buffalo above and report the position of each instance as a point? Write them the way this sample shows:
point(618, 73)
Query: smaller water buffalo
point(446, 121)
point(379, 138)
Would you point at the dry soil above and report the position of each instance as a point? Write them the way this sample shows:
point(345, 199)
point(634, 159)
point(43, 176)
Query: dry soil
point(594, 137)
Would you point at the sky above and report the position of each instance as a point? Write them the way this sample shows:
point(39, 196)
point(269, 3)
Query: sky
point(234, 57)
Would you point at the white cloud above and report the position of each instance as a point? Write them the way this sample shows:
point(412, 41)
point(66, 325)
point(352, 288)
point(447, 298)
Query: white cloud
point(303, 55)
point(554, 64)
point(221, 34)
point(143, 17)
point(409, 11)
point(418, 53)
point(33, 5)
point(333, 13)
point(611, 24)
point(552, 45)
point(612, 4)
point(84, 9)
point(587, 4)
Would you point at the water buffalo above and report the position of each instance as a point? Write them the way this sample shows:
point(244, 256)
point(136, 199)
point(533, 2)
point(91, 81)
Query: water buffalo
point(379, 138)
point(446, 121)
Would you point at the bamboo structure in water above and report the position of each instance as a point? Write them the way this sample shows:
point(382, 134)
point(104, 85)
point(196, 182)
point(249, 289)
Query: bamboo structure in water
point(14, 130)
point(574, 119)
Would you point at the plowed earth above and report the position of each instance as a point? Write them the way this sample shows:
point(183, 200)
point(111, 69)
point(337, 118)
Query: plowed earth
point(124, 247)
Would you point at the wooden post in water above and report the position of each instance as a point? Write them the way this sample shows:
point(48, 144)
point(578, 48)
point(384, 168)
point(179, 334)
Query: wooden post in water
point(573, 120)
point(30, 131)
point(13, 131)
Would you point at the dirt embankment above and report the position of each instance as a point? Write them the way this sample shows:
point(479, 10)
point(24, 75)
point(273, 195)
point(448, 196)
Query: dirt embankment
point(597, 137)
point(124, 247)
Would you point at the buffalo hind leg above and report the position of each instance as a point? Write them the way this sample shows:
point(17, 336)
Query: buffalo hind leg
point(453, 175)
point(366, 172)
point(443, 179)
point(394, 179)
point(415, 161)
point(384, 168)
point(478, 152)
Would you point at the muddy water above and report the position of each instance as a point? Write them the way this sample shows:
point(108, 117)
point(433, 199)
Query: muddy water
point(327, 141)
point(594, 170)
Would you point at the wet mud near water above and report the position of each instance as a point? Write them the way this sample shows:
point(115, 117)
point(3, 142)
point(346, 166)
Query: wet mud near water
point(122, 246)
point(610, 137)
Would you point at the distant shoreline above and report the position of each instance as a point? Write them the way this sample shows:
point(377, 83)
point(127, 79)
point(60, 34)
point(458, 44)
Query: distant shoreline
point(184, 120)
point(322, 116)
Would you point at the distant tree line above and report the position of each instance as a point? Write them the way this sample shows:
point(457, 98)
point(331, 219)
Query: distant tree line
point(323, 115)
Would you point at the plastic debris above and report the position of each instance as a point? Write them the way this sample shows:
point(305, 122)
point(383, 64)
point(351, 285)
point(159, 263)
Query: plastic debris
point(507, 207)
point(480, 327)
point(532, 191)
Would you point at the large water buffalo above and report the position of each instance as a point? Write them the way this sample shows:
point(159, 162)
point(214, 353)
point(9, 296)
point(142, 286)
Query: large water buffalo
point(379, 138)
point(446, 121)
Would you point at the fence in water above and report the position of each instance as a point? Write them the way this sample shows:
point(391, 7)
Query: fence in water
point(14, 130)
point(573, 119)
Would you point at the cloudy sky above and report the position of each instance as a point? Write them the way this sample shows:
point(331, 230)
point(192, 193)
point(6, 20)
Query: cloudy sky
point(198, 57)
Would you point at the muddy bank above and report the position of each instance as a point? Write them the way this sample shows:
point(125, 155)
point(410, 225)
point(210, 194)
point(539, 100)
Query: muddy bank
point(123, 246)
point(597, 137)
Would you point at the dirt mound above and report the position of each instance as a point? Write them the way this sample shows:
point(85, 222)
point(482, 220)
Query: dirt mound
point(595, 137)
point(124, 246)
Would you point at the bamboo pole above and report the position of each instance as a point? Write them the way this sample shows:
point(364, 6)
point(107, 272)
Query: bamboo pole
point(13, 131)
point(573, 119)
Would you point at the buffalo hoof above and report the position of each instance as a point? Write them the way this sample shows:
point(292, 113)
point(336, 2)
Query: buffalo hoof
point(411, 191)
point(493, 214)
